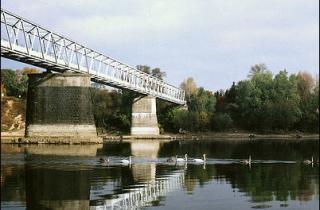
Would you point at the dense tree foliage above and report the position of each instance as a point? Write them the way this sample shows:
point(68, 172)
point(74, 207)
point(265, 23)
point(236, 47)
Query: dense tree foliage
point(198, 117)
point(308, 90)
point(15, 83)
point(112, 110)
point(268, 103)
point(272, 103)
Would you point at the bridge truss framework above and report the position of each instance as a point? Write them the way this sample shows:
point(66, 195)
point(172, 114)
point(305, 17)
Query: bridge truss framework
point(25, 41)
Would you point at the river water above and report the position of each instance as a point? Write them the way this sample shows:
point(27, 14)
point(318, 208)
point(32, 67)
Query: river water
point(71, 176)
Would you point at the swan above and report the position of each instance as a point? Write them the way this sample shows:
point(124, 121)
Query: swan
point(308, 161)
point(171, 160)
point(104, 161)
point(198, 160)
point(126, 161)
point(185, 159)
point(246, 161)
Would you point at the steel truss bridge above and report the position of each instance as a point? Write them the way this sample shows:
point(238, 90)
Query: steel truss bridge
point(143, 196)
point(25, 41)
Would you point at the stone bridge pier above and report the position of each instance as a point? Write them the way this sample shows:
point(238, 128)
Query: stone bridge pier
point(60, 106)
point(144, 116)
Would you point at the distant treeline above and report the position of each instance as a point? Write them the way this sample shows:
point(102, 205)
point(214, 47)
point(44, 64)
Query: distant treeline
point(263, 103)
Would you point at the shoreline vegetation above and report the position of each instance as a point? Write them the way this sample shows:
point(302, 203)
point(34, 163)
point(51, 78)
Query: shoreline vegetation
point(262, 106)
point(18, 137)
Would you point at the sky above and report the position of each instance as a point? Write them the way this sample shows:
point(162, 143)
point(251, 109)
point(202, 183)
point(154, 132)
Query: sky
point(214, 41)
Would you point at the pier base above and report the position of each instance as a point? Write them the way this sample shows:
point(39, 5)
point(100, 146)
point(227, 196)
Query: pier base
point(60, 105)
point(144, 116)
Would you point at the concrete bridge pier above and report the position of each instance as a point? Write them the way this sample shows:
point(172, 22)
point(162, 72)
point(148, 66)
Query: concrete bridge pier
point(60, 106)
point(144, 116)
point(144, 148)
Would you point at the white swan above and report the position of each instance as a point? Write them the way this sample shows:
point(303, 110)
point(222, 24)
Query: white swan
point(185, 159)
point(104, 161)
point(246, 162)
point(198, 160)
point(126, 161)
point(308, 161)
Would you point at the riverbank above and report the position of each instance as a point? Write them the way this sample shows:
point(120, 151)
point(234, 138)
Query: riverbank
point(18, 137)
point(219, 136)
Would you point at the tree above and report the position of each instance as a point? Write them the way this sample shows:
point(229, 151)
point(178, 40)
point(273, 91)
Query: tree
point(286, 101)
point(257, 68)
point(112, 109)
point(190, 88)
point(222, 121)
point(308, 90)
point(14, 82)
point(156, 72)
point(268, 103)
point(305, 84)
point(144, 68)
point(30, 70)
point(201, 109)
point(221, 103)
point(249, 104)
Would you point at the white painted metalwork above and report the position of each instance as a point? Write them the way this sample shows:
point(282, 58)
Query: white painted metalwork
point(143, 196)
point(30, 43)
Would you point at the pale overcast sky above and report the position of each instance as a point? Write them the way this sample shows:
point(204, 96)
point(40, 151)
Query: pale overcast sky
point(214, 41)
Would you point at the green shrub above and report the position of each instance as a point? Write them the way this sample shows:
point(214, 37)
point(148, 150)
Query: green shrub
point(222, 122)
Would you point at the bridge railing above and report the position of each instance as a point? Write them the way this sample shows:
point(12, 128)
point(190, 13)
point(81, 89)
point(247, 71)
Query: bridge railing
point(28, 42)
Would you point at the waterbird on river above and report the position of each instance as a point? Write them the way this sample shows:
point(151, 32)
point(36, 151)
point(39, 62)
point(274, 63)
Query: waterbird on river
point(246, 162)
point(171, 160)
point(198, 160)
point(308, 161)
point(126, 161)
point(104, 161)
point(185, 159)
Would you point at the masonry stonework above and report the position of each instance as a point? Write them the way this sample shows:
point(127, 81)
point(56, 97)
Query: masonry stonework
point(59, 105)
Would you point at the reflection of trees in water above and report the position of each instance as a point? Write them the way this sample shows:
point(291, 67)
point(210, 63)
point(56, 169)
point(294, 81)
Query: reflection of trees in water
point(51, 188)
point(115, 149)
point(259, 149)
point(262, 182)
point(119, 176)
point(11, 176)
point(195, 174)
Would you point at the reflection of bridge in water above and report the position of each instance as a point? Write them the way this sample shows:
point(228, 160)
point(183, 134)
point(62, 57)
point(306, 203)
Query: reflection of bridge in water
point(152, 187)
point(143, 196)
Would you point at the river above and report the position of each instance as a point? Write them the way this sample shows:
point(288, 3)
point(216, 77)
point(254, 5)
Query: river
point(71, 176)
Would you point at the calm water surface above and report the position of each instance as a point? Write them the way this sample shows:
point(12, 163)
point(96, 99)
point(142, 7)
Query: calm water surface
point(71, 177)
